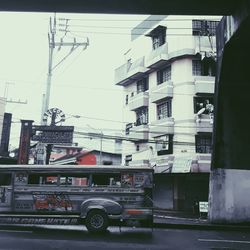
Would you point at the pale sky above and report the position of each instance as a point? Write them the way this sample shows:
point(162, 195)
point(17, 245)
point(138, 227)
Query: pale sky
point(82, 85)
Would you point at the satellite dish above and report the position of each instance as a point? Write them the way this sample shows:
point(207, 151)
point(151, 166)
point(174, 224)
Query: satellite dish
point(201, 111)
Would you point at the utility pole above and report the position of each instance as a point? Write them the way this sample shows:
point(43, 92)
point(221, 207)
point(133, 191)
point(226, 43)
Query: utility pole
point(53, 43)
point(6, 95)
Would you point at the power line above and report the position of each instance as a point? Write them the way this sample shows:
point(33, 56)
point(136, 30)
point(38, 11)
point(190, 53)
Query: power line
point(122, 27)
point(122, 122)
point(136, 20)
point(116, 33)
point(183, 143)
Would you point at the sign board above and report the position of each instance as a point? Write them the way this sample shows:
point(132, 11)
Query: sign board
point(53, 134)
point(203, 206)
point(40, 154)
point(182, 164)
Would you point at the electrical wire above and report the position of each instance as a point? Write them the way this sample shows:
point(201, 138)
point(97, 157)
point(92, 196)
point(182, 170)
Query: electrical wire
point(122, 122)
point(121, 27)
point(118, 33)
point(137, 20)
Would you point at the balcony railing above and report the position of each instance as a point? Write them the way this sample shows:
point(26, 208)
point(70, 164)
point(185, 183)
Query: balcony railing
point(203, 164)
point(138, 133)
point(204, 123)
point(205, 44)
point(129, 72)
point(162, 91)
point(138, 100)
point(204, 84)
point(162, 127)
point(157, 57)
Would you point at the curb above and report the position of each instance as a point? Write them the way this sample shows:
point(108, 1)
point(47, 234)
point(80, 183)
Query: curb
point(202, 227)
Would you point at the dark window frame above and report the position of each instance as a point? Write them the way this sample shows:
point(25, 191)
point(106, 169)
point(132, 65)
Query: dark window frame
point(163, 151)
point(142, 85)
point(205, 67)
point(204, 27)
point(167, 103)
point(128, 158)
point(5, 179)
point(164, 74)
point(203, 143)
point(158, 36)
point(141, 116)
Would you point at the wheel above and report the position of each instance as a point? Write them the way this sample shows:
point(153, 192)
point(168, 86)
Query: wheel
point(97, 221)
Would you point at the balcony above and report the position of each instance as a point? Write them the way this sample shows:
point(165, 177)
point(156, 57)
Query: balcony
point(162, 127)
point(204, 123)
point(130, 72)
point(139, 163)
point(161, 91)
point(162, 164)
point(203, 44)
point(157, 57)
point(203, 164)
point(138, 100)
point(138, 133)
point(204, 84)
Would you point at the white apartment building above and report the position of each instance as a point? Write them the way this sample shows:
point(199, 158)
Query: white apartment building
point(168, 81)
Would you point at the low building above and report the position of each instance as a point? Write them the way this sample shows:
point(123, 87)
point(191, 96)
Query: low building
point(79, 156)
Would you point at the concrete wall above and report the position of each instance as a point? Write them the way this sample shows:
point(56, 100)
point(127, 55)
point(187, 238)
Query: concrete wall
point(229, 196)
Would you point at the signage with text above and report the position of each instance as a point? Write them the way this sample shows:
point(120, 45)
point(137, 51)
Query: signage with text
point(53, 134)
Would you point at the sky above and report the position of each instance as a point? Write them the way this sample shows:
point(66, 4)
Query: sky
point(82, 85)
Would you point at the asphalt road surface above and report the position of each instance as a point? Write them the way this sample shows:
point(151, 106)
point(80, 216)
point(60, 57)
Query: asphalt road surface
point(26, 238)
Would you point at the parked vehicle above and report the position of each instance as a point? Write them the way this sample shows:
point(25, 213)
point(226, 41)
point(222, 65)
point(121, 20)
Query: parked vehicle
point(97, 196)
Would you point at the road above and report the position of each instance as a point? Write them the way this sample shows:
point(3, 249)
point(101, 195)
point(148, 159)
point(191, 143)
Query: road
point(128, 238)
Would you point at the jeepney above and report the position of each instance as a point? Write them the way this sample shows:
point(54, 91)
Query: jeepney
point(96, 196)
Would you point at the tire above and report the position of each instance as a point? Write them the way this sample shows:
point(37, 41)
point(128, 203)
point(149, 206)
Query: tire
point(97, 221)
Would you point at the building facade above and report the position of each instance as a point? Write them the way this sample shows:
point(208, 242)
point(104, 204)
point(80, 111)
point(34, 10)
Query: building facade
point(168, 81)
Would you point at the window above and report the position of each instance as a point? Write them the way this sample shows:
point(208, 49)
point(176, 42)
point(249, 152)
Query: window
point(141, 116)
point(42, 179)
point(196, 67)
point(106, 180)
point(142, 85)
point(205, 67)
point(107, 162)
point(128, 127)
point(208, 67)
point(164, 144)
point(74, 180)
point(203, 143)
point(5, 179)
point(158, 36)
point(128, 158)
point(164, 109)
point(204, 27)
point(164, 75)
point(126, 101)
point(201, 102)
